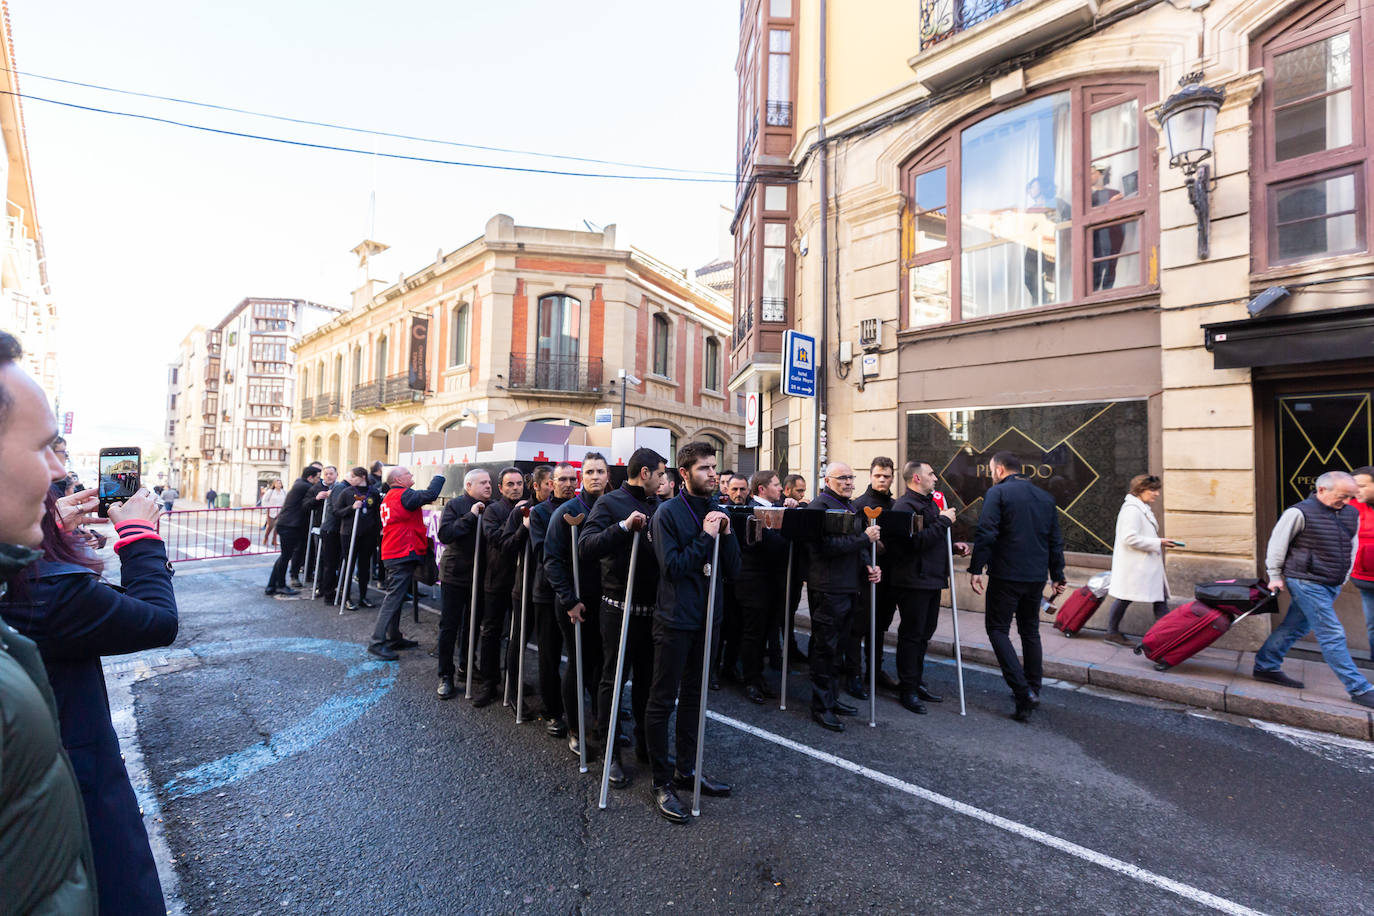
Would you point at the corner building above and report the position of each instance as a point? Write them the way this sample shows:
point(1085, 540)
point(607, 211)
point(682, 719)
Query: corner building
point(1003, 256)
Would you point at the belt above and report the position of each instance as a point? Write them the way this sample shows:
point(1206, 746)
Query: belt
point(636, 610)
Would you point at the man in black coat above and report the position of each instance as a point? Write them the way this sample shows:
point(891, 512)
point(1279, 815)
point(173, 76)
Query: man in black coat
point(356, 504)
point(570, 605)
point(1018, 542)
point(837, 572)
point(292, 523)
point(458, 534)
point(917, 571)
point(329, 543)
point(794, 495)
point(684, 533)
point(759, 587)
point(302, 568)
point(607, 537)
point(550, 637)
point(501, 559)
point(878, 495)
point(515, 541)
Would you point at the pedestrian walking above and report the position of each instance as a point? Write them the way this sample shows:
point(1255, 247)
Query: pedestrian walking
point(1311, 552)
point(169, 497)
point(272, 501)
point(1018, 542)
point(291, 521)
point(458, 533)
point(1138, 557)
point(1362, 575)
point(405, 542)
point(211, 496)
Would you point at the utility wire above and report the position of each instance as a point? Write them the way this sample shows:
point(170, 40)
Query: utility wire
point(357, 130)
point(364, 152)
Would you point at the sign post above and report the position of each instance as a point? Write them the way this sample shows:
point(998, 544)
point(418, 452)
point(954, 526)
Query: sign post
point(751, 420)
point(798, 364)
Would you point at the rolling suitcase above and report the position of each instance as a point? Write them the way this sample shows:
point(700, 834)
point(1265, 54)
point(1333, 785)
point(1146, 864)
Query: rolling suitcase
point(1188, 629)
point(1076, 610)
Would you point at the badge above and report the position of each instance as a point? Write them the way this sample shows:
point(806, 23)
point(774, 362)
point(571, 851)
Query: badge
point(706, 570)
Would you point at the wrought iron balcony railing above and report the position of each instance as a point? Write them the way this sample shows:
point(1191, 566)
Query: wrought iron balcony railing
point(773, 309)
point(942, 19)
point(569, 375)
point(385, 393)
point(779, 114)
point(327, 405)
point(307, 411)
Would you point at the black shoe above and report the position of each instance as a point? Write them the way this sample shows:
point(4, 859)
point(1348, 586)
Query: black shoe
point(269, 591)
point(1364, 699)
point(923, 693)
point(296, 582)
point(764, 689)
point(446, 689)
point(401, 642)
point(380, 650)
point(856, 688)
point(1023, 709)
point(755, 695)
point(1034, 697)
point(483, 697)
point(328, 598)
point(888, 682)
point(715, 680)
point(827, 719)
point(619, 778)
point(557, 728)
point(573, 745)
point(795, 653)
point(710, 787)
point(912, 702)
point(349, 605)
point(363, 602)
point(844, 709)
point(669, 805)
point(462, 673)
point(287, 592)
point(1276, 677)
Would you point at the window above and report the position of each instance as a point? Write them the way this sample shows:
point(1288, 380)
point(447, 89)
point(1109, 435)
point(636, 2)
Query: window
point(357, 366)
point(338, 376)
point(174, 375)
point(710, 370)
point(661, 345)
point(1311, 144)
point(774, 302)
point(556, 360)
point(1042, 203)
point(305, 382)
point(779, 78)
point(381, 358)
point(775, 197)
point(270, 351)
point(319, 378)
point(458, 347)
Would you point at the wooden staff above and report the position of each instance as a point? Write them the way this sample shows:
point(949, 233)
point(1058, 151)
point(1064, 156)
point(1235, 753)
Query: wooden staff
point(875, 655)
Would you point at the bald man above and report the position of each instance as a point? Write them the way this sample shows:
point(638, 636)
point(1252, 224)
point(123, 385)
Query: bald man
point(405, 541)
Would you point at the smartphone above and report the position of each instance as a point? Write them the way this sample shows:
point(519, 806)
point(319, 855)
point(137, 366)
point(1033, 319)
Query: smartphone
point(119, 476)
point(1179, 544)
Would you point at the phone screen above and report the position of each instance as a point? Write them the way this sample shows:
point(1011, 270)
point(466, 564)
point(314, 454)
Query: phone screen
point(119, 476)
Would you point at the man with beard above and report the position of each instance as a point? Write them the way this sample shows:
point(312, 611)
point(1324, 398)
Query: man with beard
point(684, 530)
point(571, 605)
point(759, 588)
point(515, 536)
point(458, 534)
point(608, 537)
point(879, 495)
point(725, 656)
point(550, 636)
point(502, 561)
point(359, 505)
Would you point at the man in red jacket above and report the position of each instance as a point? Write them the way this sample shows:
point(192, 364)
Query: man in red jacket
point(405, 541)
point(1362, 575)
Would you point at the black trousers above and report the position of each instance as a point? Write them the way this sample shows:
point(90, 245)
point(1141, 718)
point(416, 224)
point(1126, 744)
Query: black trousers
point(677, 680)
point(329, 562)
point(639, 665)
point(491, 629)
point(301, 555)
point(920, 609)
point(455, 600)
point(550, 639)
point(591, 661)
point(291, 538)
point(754, 626)
point(1019, 601)
point(514, 649)
point(830, 623)
point(857, 652)
point(1118, 611)
point(363, 549)
point(725, 654)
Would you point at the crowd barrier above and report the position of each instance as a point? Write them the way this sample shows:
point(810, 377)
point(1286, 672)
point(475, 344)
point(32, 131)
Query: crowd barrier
point(209, 534)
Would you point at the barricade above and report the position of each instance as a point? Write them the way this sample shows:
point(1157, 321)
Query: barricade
point(209, 534)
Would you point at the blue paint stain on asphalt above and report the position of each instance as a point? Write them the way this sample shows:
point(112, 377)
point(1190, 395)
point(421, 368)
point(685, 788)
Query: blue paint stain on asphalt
point(369, 681)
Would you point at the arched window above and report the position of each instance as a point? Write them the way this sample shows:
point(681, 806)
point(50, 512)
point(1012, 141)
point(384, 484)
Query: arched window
point(381, 359)
point(710, 369)
point(556, 361)
point(458, 346)
point(661, 336)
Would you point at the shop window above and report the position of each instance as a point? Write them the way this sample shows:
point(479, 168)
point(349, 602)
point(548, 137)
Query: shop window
point(1317, 433)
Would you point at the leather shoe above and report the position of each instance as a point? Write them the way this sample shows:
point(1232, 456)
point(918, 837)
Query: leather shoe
point(363, 602)
point(400, 642)
point(923, 693)
point(856, 688)
point(350, 605)
point(619, 778)
point(912, 702)
point(887, 681)
point(669, 805)
point(844, 709)
point(573, 745)
point(755, 695)
point(1276, 677)
point(1034, 697)
point(446, 689)
point(483, 697)
point(710, 787)
point(827, 719)
point(296, 583)
point(288, 592)
point(557, 728)
point(715, 680)
point(380, 650)
point(1023, 710)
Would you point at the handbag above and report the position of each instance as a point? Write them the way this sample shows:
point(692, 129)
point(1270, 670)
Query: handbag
point(428, 571)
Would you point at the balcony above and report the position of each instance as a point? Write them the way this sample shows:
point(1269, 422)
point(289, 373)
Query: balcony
point(385, 393)
point(961, 39)
point(328, 405)
point(779, 114)
point(563, 375)
point(212, 345)
point(744, 323)
point(268, 412)
point(307, 411)
point(265, 455)
point(773, 309)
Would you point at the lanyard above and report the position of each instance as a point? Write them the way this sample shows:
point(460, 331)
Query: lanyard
point(683, 496)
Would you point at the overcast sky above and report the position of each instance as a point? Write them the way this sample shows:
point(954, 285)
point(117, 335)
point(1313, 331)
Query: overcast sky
point(151, 228)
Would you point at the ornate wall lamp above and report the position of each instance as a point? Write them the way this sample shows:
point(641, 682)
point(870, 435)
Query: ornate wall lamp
point(1189, 121)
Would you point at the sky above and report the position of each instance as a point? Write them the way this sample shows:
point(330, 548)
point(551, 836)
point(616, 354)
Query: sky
point(150, 229)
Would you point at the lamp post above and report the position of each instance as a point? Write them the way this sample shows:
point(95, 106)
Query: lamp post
point(626, 379)
point(1189, 121)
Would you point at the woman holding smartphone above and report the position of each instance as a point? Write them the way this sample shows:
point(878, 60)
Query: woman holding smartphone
point(1138, 557)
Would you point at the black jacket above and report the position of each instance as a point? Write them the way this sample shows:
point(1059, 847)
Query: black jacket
point(539, 528)
point(370, 518)
point(870, 498)
point(923, 560)
point(329, 521)
point(75, 619)
point(558, 558)
point(294, 511)
point(515, 538)
point(1018, 535)
point(314, 505)
point(604, 540)
point(684, 551)
point(502, 558)
point(837, 564)
point(762, 568)
point(458, 534)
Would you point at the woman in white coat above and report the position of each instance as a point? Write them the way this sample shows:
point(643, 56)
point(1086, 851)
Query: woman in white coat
point(1138, 557)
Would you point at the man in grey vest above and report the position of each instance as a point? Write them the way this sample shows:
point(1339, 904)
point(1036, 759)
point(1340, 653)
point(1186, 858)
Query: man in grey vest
point(1311, 550)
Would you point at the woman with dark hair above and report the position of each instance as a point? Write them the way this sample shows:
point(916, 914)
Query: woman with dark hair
point(75, 617)
point(1138, 557)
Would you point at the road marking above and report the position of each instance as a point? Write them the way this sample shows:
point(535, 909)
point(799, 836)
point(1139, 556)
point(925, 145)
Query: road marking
point(1186, 891)
point(1354, 753)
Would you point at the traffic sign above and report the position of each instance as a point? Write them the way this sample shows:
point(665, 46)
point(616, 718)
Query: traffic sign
point(751, 420)
point(603, 416)
point(798, 364)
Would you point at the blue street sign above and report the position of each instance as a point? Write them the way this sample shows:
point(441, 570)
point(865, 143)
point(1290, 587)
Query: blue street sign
point(798, 364)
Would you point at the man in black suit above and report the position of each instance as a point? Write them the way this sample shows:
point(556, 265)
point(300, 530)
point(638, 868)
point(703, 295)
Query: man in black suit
point(291, 528)
point(1018, 542)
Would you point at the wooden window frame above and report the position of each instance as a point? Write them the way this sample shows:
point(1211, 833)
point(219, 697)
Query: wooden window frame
point(1085, 97)
point(656, 321)
point(460, 317)
point(1299, 30)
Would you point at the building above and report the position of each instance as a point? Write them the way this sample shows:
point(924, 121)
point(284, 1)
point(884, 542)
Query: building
point(521, 323)
point(27, 309)
point(229, 397)
point(978, 218)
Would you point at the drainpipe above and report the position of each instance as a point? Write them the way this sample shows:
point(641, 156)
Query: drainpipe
point(822, 360)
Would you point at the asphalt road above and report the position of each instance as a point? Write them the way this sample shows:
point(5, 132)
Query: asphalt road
point(296, 775)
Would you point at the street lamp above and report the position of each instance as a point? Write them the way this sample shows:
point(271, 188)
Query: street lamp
point(626, 380)
point(1189, 121)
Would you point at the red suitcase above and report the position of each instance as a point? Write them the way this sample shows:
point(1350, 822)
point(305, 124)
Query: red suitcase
point(1184, 632)
point(1076, 610)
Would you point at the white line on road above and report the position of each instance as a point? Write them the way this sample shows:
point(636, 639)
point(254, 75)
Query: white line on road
point(1186, 891)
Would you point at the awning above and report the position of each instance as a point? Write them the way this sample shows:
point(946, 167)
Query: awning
point(1302, 337)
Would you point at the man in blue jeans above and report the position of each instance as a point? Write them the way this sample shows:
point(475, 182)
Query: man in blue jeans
point(1311, 550)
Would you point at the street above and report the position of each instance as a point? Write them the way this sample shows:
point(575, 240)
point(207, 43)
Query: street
point(297, 775)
